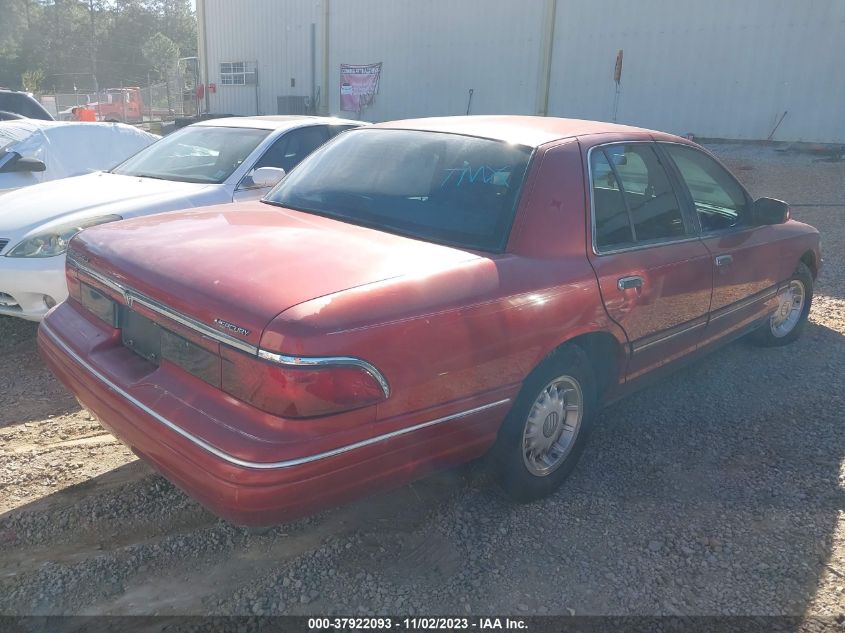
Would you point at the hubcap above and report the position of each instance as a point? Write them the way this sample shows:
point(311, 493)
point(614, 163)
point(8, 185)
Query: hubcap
point(552, 426)
point(789, 311)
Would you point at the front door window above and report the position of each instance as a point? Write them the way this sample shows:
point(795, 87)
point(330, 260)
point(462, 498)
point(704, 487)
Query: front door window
point(719, 200)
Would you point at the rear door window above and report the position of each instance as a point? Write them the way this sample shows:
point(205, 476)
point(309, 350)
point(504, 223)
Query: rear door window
point(634, 202)
point(334, 130)
point(613, 224)
point(291, 148)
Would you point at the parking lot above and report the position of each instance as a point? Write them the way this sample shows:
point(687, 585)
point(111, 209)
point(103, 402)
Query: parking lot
point(718, 491)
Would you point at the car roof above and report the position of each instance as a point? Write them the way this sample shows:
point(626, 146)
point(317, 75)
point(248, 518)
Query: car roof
point(29, 134)
point(522, 130)
point(31, 125)
point(26, 127)
point(28, 124)
point(276, 122)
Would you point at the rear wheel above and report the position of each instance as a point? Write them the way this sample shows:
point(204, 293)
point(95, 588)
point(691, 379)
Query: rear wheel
point(787, 323)
point(546, 430)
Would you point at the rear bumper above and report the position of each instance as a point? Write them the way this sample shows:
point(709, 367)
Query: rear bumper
point(263, 493)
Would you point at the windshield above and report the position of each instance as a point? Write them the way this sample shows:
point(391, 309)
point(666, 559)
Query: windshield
point(195, 154)
point(444, 188)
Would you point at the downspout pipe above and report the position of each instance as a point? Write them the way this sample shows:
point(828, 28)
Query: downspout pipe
point(545, 72)
point(202, 47)
point(324, 91)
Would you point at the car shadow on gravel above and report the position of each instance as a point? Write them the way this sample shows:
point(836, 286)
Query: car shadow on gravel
point(717, 491)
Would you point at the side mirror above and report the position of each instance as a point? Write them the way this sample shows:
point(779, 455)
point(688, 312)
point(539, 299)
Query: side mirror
point(770, 211)
point(23, 164)
point(267, 176)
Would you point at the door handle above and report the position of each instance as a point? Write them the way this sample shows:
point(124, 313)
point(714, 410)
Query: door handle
point(724, 260)
point(625, 283)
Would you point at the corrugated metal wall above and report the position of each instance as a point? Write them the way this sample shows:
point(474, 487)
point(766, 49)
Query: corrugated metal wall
point(274, 33)
point(720, 68)
point(435, 51)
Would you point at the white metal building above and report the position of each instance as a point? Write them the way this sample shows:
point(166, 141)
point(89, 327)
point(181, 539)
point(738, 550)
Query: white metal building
point(719, 69)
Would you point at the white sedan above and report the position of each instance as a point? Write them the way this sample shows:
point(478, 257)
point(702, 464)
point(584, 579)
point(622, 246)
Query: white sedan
point(213, 162)
point(34, 151)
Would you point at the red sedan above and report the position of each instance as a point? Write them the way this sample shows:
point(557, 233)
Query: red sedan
point(414, 295)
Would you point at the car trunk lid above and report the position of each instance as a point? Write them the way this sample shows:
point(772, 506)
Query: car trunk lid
point(233, 268)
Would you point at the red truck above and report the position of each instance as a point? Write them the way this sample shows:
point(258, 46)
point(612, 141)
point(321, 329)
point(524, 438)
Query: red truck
point(121, 104)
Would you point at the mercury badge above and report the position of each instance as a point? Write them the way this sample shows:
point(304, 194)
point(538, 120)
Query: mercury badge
point(237, 329)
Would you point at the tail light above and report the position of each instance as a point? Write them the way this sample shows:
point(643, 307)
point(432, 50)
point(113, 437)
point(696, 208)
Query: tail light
point(73, 285)
point(293, 391)
point(278, 385)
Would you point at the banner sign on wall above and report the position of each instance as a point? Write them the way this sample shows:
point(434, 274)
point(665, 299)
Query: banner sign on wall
point(358, 86)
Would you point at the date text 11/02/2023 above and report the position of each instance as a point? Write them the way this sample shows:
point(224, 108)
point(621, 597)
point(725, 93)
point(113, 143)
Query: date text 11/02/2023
point(415, 623)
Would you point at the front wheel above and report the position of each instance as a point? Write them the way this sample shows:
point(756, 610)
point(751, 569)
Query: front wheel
point(789, 320)
point(546, 430)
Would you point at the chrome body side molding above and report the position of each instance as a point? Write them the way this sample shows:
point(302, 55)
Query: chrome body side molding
point(665, 335)
point(246, 463)
point(758, 297)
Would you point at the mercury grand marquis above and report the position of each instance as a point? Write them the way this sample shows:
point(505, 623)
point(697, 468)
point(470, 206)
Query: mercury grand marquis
point(417, 294)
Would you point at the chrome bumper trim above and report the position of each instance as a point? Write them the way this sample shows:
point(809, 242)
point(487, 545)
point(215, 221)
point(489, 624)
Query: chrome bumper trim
point(242, 462)
point(131, 297)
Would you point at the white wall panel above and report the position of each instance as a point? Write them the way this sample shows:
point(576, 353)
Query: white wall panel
point(435, 51)
point(716, 68)
point(274, 33)
point(719, 68)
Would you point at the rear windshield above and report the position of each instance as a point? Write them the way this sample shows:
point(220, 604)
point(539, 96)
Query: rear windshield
point(443, 188)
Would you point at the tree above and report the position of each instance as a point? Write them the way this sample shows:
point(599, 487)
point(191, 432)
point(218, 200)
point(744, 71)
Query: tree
point(31, 80)
point(163, 55)
point(55, 35)
point(10, 26)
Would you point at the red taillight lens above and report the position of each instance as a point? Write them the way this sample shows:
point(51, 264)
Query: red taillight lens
point(73, 285)
point(297, 392)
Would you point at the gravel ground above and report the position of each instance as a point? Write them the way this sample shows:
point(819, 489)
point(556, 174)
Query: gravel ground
point(718, 491)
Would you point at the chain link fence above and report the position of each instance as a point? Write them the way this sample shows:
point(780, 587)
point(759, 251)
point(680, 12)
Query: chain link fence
point(163, 101)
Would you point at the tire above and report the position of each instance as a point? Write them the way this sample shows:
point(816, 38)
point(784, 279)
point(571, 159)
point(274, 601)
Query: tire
point(780, 329)
point(564, 379)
